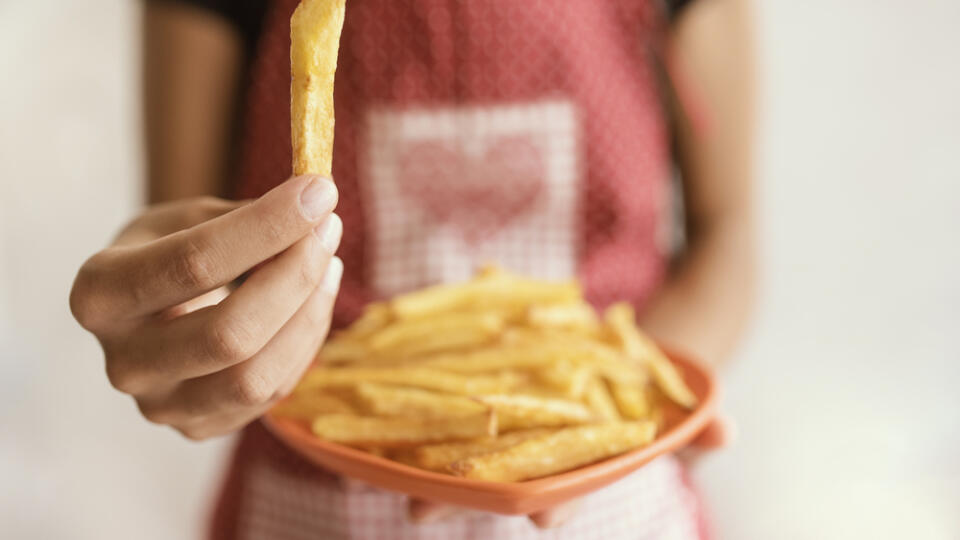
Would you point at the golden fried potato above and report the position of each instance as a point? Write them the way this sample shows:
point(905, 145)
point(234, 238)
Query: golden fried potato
point(493, 291)
point(307, 406)
point(395, 431)
point(577, 318)
point(556, 452)
point(314, 44)
point(414, 376)
point(569, 379)
point(438, 457)
point(450, 331)
point(599, 399)
point(523, 412)
point(502, 378)
point(621, 319)
point(384, 400)
point(630, 400)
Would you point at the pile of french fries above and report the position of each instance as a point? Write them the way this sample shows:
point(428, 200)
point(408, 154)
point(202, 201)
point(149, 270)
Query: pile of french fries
point(501, 378)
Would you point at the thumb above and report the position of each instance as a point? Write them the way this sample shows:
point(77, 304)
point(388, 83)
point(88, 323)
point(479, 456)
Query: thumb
point(719, 433)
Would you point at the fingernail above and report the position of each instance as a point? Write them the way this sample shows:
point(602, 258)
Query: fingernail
point(331, 280)
point(318, 199)
point(330, 232)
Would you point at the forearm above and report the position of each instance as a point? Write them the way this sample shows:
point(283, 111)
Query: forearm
point(705, 303)
point(192, 66)
point(706, 300)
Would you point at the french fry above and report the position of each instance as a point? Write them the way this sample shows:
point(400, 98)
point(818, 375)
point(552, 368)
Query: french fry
point(384, 400)
point(375, 317)
point(598, 398)
point(579, 318)
point(307, 406)
point(497, 290)
point(493, 358)
point(340, 350)
point(620, 318)
point(601, 357)
point(423, 336)
point(630, 400)
point(462, 338)
point(502, 379)
point(437, 457)
point(556, 452)
point(389, 432)
point(669, 380)
point(568, 378)
point(314, 43)
point(656, 399)
point(379, 451)
point(522, 412)
point(489, 270)
point(414, 376)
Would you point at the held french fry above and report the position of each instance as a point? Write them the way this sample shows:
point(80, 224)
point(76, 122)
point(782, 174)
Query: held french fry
point(314, 42)
point(399, 431)
point(437, 457)
point(559, 451)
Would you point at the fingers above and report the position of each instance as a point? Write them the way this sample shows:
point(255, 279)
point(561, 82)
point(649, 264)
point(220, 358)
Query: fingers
point(556, 516)
point(719, 433)
point(319, 327)
point(211, 298)
point(218, 425)
point(138, 280)
point(230, 398)
point(425, 512)
point(168, 218)
point(215, 338)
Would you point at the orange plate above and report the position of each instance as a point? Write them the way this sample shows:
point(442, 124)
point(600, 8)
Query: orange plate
point(505, 498)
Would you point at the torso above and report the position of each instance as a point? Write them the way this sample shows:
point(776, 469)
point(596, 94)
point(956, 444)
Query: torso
point(527, 133)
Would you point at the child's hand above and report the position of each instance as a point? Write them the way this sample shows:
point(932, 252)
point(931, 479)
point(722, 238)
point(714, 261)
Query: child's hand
point(717, 434)
point(194, 355)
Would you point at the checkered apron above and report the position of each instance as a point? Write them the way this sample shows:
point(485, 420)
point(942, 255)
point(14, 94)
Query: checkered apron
point(526, 132)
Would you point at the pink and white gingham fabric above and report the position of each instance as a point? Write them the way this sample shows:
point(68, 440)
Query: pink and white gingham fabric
point(645, 505)
point(521, 132)
point(272, 494)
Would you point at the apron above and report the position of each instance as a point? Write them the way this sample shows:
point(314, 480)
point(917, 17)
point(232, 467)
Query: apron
point(529, 133)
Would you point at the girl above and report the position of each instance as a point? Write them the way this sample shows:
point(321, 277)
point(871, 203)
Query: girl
point(535, 134)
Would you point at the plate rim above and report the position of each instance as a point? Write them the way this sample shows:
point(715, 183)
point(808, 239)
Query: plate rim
point(515, 497)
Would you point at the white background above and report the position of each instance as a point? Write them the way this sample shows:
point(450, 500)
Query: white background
point(845, 390)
